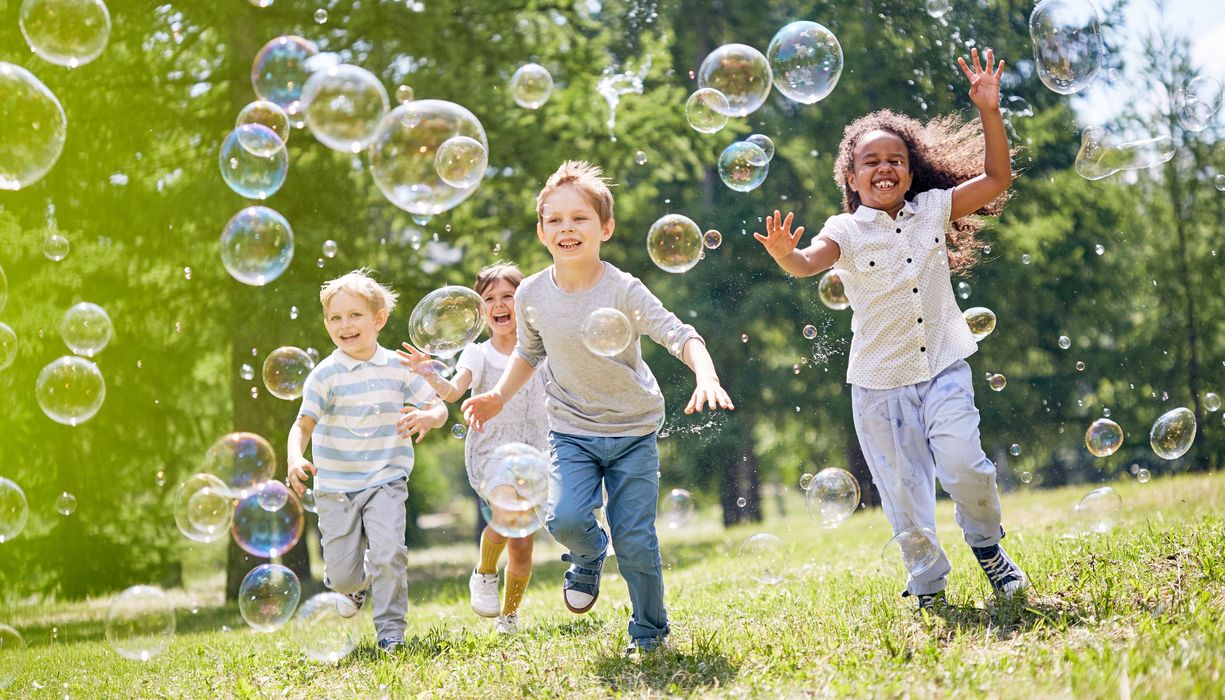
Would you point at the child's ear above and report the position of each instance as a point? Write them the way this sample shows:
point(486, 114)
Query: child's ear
point(380, 319)
point(850, 182)
point(540, 231)
point(608, 229)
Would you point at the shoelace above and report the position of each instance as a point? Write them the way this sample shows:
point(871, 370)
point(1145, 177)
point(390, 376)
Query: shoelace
point(998, 568)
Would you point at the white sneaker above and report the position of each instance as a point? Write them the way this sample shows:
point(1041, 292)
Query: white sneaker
point(507, 624)
point(483, 594)
point(349, 603)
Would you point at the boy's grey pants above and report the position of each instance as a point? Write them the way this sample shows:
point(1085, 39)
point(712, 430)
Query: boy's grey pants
point(913, 434)
point(362, 535)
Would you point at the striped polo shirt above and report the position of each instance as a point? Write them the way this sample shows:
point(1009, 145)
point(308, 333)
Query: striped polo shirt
point(355, 405)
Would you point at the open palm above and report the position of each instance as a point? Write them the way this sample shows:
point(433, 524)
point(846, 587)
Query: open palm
point(984, 82)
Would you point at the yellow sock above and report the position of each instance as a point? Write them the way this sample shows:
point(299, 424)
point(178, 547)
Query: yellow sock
point(515, 588)
point(490, 553)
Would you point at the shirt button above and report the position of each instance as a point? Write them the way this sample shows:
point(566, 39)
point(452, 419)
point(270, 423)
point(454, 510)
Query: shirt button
point(899, 230)
point(920, 320)
point(907, 259)
point(871, 263)
point(915, 290)
point(922, 349)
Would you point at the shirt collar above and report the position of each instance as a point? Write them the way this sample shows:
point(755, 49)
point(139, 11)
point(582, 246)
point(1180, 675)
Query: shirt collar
point(381, 357)
point(866, 213)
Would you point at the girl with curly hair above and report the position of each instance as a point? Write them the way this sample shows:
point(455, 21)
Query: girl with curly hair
point(910, 193)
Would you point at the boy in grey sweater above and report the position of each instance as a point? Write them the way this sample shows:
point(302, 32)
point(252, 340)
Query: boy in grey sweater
point(604, 411)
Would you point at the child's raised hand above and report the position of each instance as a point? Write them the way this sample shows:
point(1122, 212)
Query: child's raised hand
point(412, 357)
point(480, 409)
point(711, 394)
point(984, 83)
point(779, 241)
point(415, 422)
point(298, 473)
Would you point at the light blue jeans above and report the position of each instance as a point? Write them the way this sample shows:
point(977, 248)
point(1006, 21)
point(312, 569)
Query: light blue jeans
point(629, 468)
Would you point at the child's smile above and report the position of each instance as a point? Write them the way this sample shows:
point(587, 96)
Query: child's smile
point(499, 301)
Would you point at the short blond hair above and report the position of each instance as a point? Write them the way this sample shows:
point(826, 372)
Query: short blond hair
point(491, 275)
point(588, 179)
point(359, 283)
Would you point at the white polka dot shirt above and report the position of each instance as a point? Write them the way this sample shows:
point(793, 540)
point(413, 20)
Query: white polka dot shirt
point(906, 324)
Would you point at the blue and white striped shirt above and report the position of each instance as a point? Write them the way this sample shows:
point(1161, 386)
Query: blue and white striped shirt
point(355, 405)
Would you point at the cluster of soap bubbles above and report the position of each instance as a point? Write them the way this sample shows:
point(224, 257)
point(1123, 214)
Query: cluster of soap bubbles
point(606, 332)
point(285, 371)
point(674, 243)
point(514, 486)
point(830, 496)
point(1100, 157)
point(677, 508)
point(981, 321)
point(765, 558)
point(1067, 41)
point(446, 320)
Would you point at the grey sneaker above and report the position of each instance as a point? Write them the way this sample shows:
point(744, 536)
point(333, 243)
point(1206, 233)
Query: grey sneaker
point(483, 594)
point(507, 624)
point(391, 645)
point(351, 604)
point(1003, 573)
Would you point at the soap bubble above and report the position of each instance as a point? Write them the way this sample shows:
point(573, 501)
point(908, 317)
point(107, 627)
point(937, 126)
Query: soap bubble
point(461, 162)
point(963, 290)
point(1015, 450)
point(253, 161)
point(459, 431)
point(981, 321)
point(14, 510)
point(271, 499)
point(279, 71)
point(404, 153)
point(741, 73)
point(917, 548)
point(404, 93)
point(240, 460)
point(67, 33)
point(8, 346)
point(268, 596)
point(246, 371)
point(34, 128)
point(806, 61)
point(1065, 342)
point(330, 249)
point(1080, 366)
point(1197, 102)
point(55, 247)
point(65, 503)
point(1018, 106)
point(810, 331)
point(269, 115)
point(308, 501)
point(446, 320)
point(606, 332)
point(1100, 157)
point(831, 290)
point(1026, 477)
point(140, 623)
point(707, 110)
point(741, 502)
point(1212, 402)
point(832, 496)
point(321, 633)
point(256, 245)
point(11, 658)
point(268, 533)
point(1173, 433)
point(674, 243)
point(344, 106)
point(1067, 41)
point(938, 8)
point(1144, 476)
point(997, 381)
point(514, 485)
point(203, 508)
point(70, 390)
point(4, 289)
point(1103, 438)
point(765, 143)
point(285, 372)
point(321, 16)
point(364, 419)
point(640, 157)
point(743, 166)
point(1099, 509)
point(712, 239)
point(86, 328)
point(677, 508)
point(765, 558)
point(531, 86)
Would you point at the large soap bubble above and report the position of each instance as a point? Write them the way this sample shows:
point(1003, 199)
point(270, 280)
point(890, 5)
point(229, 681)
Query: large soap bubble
point(765, 143)
point(461, 162)
point(531, 86)
point(707, 110)
point(11, 659)
point(241, 460)
point(1197, 102)
point(8, 346)
point(743, 166)
point(86, 328)
point(268, 596)
point(446, 320)
point(1103, 438)
point(832, 291)
point(285, 372)
point(1099, 510)
point(203, 508)
point(256, 245)
point(741, 73)
point(674, 243)
point(267, 114)
point(344, 106)
point(916, 547)
point(1173, 433)
point(1067, 44)
point(140, 623)
point(34, 128)
point(404, 154)
point(14, 510)
point(321, 632)
point(279, 71)
point(831, 496)
point(765, 558)
point(606, 332)
point(806, 61)
point(70, 390)
point(65, 32)
point(516, 479)
point(253, 161)
point(981, 321)
point(677, 508)
point(264, 532)
point(1100, 157)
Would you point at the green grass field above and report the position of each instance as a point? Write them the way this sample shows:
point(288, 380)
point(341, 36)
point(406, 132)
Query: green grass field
point(1136, 612)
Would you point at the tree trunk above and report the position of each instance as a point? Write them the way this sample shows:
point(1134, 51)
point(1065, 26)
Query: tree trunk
point(741, 483)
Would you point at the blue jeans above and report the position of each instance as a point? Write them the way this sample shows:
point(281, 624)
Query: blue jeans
point(629, 468)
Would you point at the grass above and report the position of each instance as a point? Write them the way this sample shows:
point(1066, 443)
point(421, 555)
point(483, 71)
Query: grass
point(1136, 612)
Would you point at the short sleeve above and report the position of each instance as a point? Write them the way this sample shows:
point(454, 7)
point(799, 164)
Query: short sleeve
point(417, 390)
point(314, 396)
point(937, 204)
point(471, 359)
point(656, 321)
point(528, 343)
point(835, 229)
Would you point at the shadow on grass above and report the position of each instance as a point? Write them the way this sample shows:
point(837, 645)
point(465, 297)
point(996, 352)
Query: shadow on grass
point(187, 622)
point(669, 670)
point(1018, 615)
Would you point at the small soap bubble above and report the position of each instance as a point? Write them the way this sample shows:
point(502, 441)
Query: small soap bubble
point(674, 243)
point(446, 320)
point(677, 508)
point(712, 239)
point(810, 331)
point(764, 557)
point(1015, 450)
point(1099, 510)
point(271, 499)
point(1144, 476)
point(981, 321)
point(1067, 41)
point(741, 502)
point(33, 118)
point(1065, 342)
point(1099, 249)
point(1026, 477)
point(66, 503)
point(1100, 157)
point(832, 291)
point(187, 273)
point(743, 166)
point(330, 248)
point(1026, 258)
point(68, 33)
point(344, 106)
point(917, 548)
point(285, 371)
point(70, 390)
point(321, 16)
point(253, 161)
point(321, 632)
point(606, 332)
point(744, 337)
point(55, 247)
point(246, 371)
point(963, 290)
point(806, 61)
point(14, 510)
point(404, 94)
point(293, 313)
point(706, 110)
point(1103, 438)
point(831, 496)
point(459, 431)
point(741, 73)
point(1173, 433)
point(1219, 181)
point(268, 596)
point(270, 115)
point(267, 533)
point(364, 419)
point(241, 460)
point(938, 8)
point(256, 246)
point(1212, 402)
point(997, 381)
point(1080, 366)
point(86, 329)
point(640, 157)
point(461, 162)
point(765, 143)
point(531, 86)
point(8, 346)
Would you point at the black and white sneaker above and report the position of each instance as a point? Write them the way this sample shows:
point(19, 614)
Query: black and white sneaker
point(352, 603)
point(1003, 573)
point(927, 601)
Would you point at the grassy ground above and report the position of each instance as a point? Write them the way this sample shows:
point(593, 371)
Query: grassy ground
point(1136, 612)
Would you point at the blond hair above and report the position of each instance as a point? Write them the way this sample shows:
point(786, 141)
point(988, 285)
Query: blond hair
point(588, 179)
point(489, 276)
point(359, 283)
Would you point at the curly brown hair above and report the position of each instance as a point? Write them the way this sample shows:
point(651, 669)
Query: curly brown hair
point(944, 153)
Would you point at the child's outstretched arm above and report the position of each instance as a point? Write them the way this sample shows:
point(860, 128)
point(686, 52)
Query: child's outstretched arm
point(480, 409)
point(447, 390)
point(419, 421)
point(974, 194)
point(299, 467)
point(708, 390)
point(781, 244)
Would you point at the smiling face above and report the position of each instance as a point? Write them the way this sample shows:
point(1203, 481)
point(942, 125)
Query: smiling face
point(880, 171)
point(500, 307)
point(570, 228)
point(353, 324)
